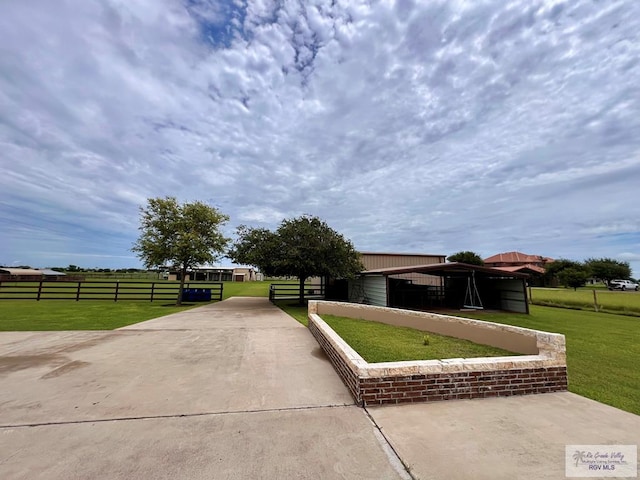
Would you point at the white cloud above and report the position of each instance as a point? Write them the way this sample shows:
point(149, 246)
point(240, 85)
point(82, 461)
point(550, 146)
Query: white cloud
point(424, 126)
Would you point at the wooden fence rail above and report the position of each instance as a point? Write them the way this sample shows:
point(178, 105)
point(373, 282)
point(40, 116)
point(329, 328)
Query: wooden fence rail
point(115, 291)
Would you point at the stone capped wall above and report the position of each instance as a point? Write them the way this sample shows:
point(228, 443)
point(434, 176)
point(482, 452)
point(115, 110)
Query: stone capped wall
point(437, 380)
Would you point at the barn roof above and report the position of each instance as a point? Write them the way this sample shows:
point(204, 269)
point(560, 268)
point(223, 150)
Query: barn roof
point(20, 271)
point(401, 254)
point(49, 272)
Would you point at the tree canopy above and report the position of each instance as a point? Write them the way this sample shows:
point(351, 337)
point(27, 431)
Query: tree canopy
point(607, 269)
point(553, 269)
point(471, 258)
point(573, 277)
point(303, 247)
point(185, 235)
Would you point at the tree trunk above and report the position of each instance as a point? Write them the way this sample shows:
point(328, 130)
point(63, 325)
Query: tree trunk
point(183, 274)
point(301, 293)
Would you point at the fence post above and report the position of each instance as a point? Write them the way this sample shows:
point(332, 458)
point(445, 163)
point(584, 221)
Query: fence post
point(115, 298)
point(39, 291)
point(78, 291)
point(153, 286)
point(595, 300)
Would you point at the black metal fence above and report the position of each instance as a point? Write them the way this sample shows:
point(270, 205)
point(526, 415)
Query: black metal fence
point(110, 290)
point(289, 291)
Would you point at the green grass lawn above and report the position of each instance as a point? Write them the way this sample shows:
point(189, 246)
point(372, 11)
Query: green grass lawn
point(603, 350)
point(29, 315)
point(246, 289)
point(295, 310)
point(379, 342)
point(627, 303)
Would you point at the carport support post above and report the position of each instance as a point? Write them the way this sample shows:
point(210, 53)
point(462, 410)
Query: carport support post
point(526, 297)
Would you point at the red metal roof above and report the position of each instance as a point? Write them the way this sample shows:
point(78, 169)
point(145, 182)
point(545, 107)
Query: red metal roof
point(517, 258)
point(517, 268)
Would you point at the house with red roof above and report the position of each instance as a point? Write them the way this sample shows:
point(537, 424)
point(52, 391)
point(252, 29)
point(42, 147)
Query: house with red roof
point(519, 262)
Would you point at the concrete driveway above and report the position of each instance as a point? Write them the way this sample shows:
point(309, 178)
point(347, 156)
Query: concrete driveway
point(236, 389)
point(510, 438)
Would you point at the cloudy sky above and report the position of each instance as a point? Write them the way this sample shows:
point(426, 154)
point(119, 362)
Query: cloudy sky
point(432, 126)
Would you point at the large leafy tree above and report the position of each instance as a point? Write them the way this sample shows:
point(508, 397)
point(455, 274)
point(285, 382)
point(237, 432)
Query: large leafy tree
point(573, 277)
point(303, 247)
point(185, 235)
point(553, 269)
point(471, 258)
point(607, 269)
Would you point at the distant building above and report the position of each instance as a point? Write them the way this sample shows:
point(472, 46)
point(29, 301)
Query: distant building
point(217, 274)
point(518, 262)
point(8, 274)
point(49, 274)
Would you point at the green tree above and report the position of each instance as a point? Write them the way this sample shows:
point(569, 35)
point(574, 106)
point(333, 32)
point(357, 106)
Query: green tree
point(185, 235)
point(553, 269)
point(471, 258)
point(607, 269)
point(303, 247)
point(573, 277)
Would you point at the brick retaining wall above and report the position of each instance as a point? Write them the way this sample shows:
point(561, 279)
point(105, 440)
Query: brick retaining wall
point(437, 380)
point(463, 385)
point(342, 366)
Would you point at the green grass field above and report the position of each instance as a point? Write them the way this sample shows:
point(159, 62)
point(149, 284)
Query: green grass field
point(627, 303)
point(379, 342)
point(246, 289)
point(603, 350)
point(29, 315)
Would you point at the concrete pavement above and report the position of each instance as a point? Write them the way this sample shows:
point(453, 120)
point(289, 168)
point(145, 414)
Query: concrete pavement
point(508, 438)
point(236, 389)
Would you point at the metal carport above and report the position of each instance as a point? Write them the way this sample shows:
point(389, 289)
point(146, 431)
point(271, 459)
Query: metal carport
point(496, 289)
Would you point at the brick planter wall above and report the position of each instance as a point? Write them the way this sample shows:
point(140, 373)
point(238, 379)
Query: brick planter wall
point(463, 385)
point(437, 380)
point(341, 364)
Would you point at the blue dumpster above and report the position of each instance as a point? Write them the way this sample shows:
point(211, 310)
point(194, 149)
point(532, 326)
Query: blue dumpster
point(196, 294)
point(187, 295)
